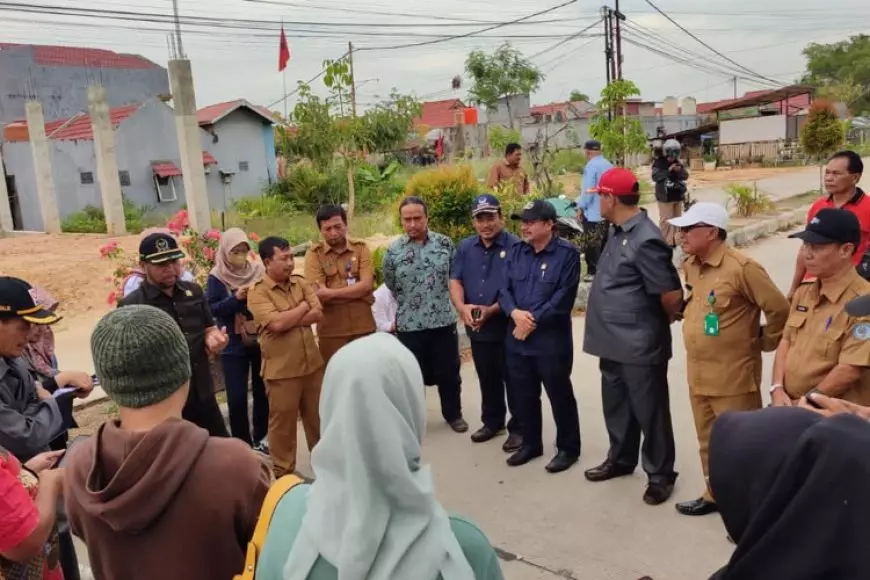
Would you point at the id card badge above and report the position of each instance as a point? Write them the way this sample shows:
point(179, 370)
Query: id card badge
point(711, 324)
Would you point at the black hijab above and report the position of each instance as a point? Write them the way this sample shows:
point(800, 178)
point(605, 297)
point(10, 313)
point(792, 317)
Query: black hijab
point(794, 491)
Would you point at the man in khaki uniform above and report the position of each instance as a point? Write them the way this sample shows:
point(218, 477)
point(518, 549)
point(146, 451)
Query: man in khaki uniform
point(824, 348)
point(284, 307)
point(727, 292)
point(341, 271)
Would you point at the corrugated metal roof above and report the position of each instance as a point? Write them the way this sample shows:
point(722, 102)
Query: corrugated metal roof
point(48, 55)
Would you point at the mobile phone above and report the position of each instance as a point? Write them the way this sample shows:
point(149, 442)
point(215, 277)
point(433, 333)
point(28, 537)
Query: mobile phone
point(476, 314)
point(70, 446)
point(811, 401)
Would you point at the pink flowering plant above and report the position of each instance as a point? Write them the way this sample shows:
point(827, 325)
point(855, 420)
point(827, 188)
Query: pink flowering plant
point(201, 249)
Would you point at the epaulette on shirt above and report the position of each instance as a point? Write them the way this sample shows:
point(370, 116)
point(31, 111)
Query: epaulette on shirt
point(315, 246)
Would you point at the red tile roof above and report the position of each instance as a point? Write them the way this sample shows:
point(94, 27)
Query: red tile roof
point(440, 114)
point(77, 127)
point(548, 109)
point(86, 57)
point(208, 159)
point(213, 113)
point(165, 169)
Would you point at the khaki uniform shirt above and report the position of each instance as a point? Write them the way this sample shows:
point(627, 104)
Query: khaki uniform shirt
point(290, 354)
point(730, 364)
point(326, 267)
point(821, 335)
point(502, 172)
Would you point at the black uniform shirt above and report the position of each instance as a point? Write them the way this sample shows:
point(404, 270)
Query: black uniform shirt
point(189, 308)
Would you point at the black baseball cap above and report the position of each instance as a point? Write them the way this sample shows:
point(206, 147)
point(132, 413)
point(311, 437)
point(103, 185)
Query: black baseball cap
point(859, 306)
point(485, 203)
point(592, 145)
point(538, 210)
point(18, 300)
point(159, 248)
point(832, 226)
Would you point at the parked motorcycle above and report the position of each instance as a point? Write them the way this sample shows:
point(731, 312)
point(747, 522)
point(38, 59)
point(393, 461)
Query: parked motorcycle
point(568, 227)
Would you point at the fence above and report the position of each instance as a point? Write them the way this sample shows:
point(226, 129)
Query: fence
point(760, 152)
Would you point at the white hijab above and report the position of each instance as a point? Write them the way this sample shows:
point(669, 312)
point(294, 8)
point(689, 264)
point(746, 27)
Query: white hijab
point(371, 511)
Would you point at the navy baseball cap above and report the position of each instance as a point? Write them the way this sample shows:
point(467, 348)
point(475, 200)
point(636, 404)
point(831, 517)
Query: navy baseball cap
point(832, 226)
point(18, 300)
point(485, 203)
point(592, 145)
point(538, 210)
point(159, 248)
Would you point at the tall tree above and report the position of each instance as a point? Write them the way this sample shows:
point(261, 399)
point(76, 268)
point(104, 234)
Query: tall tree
point(502, 74)
point(577, 96)
point(619, 134)
point(823, 133)
point(842, 69)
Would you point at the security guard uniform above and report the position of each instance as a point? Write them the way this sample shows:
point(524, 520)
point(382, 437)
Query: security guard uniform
point(629, 330)
point(292, 368)
point(545, 284)
point(724, 339)
point(343, 321)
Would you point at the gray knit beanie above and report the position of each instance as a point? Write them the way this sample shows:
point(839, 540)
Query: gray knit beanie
point(140, 356)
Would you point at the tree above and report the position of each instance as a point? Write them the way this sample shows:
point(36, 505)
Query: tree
point(619, 134)
point(842, 70)
point(502, 74)
point(577, 96)
point(823, 133)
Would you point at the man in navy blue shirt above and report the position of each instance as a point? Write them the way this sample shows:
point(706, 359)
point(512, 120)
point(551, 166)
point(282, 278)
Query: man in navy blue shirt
point(540, 286)
point(475, 281)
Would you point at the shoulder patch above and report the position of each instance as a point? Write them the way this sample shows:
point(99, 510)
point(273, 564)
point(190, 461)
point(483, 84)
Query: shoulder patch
point(861, 331)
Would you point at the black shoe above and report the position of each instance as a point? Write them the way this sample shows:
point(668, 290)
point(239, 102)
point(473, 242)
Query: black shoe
point(513, 443)
point(561, 462)
point(458, 425)
point(697, 507)
point(523, 456)
point(607, 470)
point(485, 434)
point(657, 493)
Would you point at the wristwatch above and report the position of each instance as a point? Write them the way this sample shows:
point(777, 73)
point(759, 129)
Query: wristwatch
point(775, 387)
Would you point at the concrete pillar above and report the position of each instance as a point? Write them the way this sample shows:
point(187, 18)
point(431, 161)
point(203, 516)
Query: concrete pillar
point(189, 144)
point(41, 149)
point(6, 223)
point(107, 161)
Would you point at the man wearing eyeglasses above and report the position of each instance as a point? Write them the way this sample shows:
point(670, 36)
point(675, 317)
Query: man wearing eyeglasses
point(726, 294)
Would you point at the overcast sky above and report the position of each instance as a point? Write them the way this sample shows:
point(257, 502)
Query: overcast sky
point(241, 62)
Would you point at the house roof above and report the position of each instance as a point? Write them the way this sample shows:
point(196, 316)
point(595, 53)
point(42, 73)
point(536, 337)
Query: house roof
point(165, 169)
point(766, 97)
point(213, 113)
point(548, 109)
point(208, 158)
point(77, 127)
point(440, 114)
point(47, 55)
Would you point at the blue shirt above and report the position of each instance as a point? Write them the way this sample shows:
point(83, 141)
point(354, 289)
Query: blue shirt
point(224, 307)
point(545, 284)
point(418, 275)
point(588, 201)
point(480, 270)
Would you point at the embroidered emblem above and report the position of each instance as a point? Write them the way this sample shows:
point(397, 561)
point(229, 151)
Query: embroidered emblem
point(188, 293)
point(502, 255)
point(162, 244)
point(861, 331)
point(543, 266)
point(815, 220)
point(624, 242)
point(529, 205)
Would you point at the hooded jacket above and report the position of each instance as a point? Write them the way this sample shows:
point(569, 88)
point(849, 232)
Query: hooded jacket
point(170, 503)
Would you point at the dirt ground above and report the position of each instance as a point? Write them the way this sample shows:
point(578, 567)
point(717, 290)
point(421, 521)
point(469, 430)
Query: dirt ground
point(724, 175)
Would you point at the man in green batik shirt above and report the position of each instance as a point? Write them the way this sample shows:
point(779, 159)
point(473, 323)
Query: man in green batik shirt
point(417, 271)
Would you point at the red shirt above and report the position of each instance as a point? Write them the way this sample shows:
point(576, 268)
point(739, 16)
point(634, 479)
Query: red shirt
point(858, 205)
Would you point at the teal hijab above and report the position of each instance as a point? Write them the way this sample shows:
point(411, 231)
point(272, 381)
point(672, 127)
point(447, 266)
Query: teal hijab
point(371, 510)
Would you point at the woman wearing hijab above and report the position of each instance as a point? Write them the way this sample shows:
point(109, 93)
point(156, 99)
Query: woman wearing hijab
point(228, 282)
point(137, 274)
point(371, 513)
point(792, 490)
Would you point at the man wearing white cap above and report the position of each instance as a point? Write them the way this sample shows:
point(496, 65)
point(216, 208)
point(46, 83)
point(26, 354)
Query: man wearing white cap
point(726, 294)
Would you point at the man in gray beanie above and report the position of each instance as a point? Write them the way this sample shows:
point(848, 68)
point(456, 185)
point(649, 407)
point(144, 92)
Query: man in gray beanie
point(151, 489)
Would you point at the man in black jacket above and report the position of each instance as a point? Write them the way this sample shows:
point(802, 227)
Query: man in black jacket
point(670, 177)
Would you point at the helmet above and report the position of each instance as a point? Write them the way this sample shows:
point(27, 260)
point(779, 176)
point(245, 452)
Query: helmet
point(671, 148)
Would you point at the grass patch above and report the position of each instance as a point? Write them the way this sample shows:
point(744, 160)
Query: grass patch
point(92, 219)
point(300, 228)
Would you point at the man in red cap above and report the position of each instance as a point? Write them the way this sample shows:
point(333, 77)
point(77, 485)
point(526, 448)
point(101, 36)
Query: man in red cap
point(635, 296)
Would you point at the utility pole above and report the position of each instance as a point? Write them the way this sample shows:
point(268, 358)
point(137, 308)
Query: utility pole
point(608, 49)
point(735, 87)
point(617, 17)
point(178, 46)
point(352, 79)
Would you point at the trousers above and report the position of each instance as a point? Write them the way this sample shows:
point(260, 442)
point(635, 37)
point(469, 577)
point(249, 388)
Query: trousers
point(288, 399)
point(705, 411)
point(668, 210)
point(329, 345)
point(238, 370)
point(204, 412)
point(437, 353)
point(636, 401)
point(597, 238)
point(491, 366)
point(527, 374)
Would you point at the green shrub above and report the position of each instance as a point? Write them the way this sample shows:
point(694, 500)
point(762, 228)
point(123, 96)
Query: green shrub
point(378, 264)
point(92, 220)
point(566, 161)
point(747, 200)
point(262, 206)
point(499, 137)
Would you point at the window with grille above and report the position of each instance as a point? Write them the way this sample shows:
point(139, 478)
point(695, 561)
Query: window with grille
point(86, 177)
point(243, 165)
point(124, 178)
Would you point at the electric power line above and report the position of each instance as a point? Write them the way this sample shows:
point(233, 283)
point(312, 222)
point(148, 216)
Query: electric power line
point(566, 40)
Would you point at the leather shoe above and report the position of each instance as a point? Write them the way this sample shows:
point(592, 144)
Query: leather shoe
point(523, 456)
point(657, 493)
point(697, 507)
point(607, 470)
point(459, 425)
point(513, 443)
point(485, 434)
point(561, 462)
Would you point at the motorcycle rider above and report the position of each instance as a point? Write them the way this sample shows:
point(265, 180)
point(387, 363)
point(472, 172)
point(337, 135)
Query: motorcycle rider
point(669, 175)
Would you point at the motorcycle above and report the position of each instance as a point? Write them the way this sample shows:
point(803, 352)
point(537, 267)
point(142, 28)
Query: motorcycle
point(568, 227)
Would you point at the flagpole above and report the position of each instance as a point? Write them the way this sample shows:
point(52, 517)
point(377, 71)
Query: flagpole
point(284, 76)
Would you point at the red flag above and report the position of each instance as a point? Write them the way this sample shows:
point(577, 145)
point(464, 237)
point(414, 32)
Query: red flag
point(283, 51)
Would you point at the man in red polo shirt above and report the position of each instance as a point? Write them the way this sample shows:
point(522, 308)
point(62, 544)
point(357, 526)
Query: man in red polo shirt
point(842, 174)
